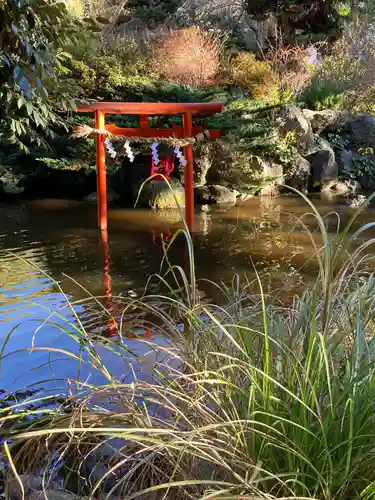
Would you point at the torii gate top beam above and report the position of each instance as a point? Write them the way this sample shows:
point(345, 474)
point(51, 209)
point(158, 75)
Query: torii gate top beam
point(152, 108)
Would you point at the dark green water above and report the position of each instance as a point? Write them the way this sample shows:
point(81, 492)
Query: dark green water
point(58, 239)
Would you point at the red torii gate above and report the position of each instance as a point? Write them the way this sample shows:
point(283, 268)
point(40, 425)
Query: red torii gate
point(144, 109)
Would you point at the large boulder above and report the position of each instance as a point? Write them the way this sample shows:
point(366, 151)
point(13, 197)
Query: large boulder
point(214, 194)
point(112, 196)
point(294, 121)
point(299, 175)
point(328, 120)
point(362, 131)
point(324, 167)
point(158, 195)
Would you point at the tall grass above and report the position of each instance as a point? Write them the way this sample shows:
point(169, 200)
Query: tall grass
point(252, 400)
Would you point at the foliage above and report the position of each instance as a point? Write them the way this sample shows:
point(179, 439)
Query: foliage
point(255, 77)
point(338, 142)
point(346, 79)
point(189, 56)
point(250, 130)
point(252, 400)
point(151, 12)
point(323, 95)
point(33, 33)
point(75, 8)
point(309, 21)
point(362, 166)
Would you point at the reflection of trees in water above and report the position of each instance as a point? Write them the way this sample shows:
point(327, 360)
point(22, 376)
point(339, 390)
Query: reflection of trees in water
point(259, 236)
point(232, 240)
point(21, 280)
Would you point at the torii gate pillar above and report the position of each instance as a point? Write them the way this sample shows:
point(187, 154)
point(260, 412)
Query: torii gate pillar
point(101, 174)
point(144, 110)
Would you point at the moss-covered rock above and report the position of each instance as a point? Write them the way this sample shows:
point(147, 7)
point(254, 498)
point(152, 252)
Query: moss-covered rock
point(159, 195)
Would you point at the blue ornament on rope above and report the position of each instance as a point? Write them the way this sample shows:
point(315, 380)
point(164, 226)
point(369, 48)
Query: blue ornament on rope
point(155, 154)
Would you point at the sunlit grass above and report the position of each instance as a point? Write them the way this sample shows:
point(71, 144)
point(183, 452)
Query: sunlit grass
point(251, 400)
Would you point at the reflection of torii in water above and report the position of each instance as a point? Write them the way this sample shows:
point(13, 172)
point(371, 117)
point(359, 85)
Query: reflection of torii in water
point(184, 136)
point(112, 326)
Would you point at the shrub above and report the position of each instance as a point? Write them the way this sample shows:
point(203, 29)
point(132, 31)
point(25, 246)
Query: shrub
point(348, 72)
point(324, 95)
point(189, 56)
point(254, 76)
point(151, 12)
point(292, 65)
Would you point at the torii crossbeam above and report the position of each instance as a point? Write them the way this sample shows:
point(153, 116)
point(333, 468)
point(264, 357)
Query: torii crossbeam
point(144, 110)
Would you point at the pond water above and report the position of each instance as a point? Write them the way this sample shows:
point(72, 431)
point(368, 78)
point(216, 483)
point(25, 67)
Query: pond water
point(46, 240)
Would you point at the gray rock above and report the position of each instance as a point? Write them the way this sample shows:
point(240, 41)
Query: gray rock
point(294, 121)
point(343, 188)
point(345, 159)
point(362, 131)
point(324, 167)
point(214, 194)
point(30, 482)
point(35, 489)
point(328, 120)
point(111, 197)
point(244, 197)
point(267, 175)
point(299, 175)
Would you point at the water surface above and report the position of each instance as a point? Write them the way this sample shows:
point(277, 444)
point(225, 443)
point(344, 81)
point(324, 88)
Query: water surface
point(49, 241)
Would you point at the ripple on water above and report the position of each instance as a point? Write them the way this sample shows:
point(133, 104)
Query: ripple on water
point(36, 245)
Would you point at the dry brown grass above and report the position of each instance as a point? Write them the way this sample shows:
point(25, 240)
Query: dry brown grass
point(290, 64)
point(189, 56)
